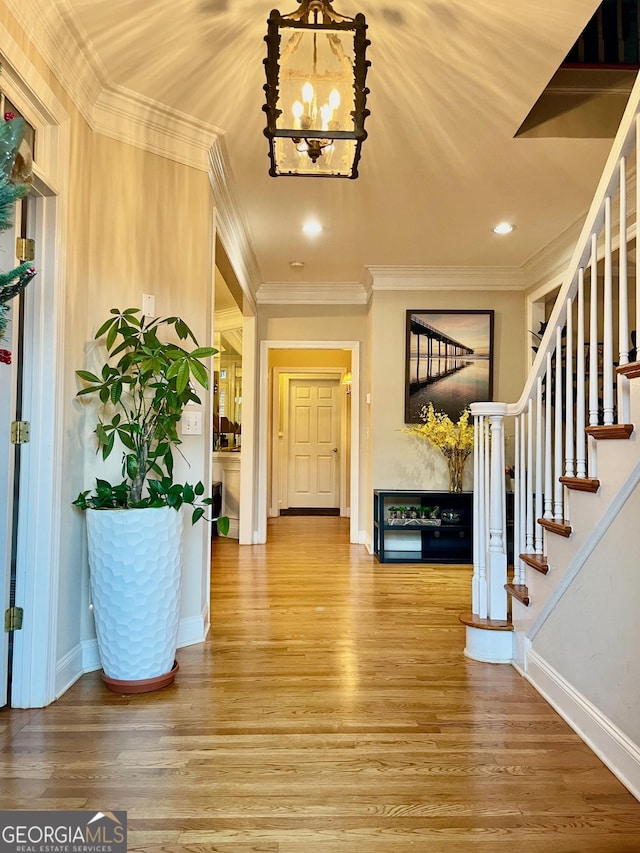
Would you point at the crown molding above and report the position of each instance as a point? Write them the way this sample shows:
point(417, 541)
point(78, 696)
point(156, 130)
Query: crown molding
point(109, 109)
point(52, 27)
point(230, 225)
point(312, 293)
point(133, 118)
point(447, 278)
point(228, 318)
point(232, 337)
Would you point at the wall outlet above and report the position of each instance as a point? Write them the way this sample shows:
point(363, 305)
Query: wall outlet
point(191, 423)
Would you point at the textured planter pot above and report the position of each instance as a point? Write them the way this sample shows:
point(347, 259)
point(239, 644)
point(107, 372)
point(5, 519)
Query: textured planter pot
point(135, 569)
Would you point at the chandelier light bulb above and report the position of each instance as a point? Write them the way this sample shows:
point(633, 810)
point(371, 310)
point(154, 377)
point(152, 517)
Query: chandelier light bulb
point(307, 93)
point(326, 112)
point(334, 99)
point(297, 109)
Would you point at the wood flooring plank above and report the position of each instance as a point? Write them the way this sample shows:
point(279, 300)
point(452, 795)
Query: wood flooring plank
point(331, 709)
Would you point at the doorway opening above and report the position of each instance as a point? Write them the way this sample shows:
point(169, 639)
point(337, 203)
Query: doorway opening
point(309, 437)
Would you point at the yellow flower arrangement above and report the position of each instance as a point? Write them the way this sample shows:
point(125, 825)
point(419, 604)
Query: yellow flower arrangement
point(454, 440)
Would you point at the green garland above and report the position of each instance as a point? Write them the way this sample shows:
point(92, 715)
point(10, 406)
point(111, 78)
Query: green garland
point(15, 280)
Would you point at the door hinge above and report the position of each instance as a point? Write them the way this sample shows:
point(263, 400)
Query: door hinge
point(20, 432)
point(25, 249)
point(13, 618)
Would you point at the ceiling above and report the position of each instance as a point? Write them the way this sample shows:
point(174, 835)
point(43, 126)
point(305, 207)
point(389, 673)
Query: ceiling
point(451, 82)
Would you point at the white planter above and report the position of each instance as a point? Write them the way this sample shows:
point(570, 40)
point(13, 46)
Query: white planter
point(135, 568)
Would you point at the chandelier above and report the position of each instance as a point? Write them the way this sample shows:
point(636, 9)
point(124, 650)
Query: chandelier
point(316, 95)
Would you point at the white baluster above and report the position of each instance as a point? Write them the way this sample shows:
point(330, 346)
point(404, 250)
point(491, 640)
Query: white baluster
point(637, 320)
point(607, 352)
point(521, 507)
point(557, 432)
point(529, 543)
point(539, 459)
point(581, 444)
point(548, 450)
point(518, 475)
point(569, 465)
point(593, 354)
point(624, 415)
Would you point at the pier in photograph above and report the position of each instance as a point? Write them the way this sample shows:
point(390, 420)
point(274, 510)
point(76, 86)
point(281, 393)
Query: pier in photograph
point(437, 357)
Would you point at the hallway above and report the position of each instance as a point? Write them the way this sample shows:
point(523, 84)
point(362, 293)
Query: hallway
point(331, 709)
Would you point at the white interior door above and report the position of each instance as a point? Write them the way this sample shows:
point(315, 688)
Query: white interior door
point(313, 463)
point(8, 389)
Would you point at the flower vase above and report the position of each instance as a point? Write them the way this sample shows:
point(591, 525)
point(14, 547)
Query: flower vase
point(456, 462)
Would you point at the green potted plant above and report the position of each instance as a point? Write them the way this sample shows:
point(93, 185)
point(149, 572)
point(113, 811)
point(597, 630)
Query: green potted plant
point(134, 527)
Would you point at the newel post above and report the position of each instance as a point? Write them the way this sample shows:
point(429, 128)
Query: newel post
point(488, 634)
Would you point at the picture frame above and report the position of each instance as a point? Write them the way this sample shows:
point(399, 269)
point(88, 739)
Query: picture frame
point(448, 360)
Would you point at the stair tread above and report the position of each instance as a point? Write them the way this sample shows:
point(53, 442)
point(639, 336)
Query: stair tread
point(519, 591)
point(631, 370)
point(562, 528)
point(611, 431)
point(536, 561)
point(474, 621)
point(581, 484)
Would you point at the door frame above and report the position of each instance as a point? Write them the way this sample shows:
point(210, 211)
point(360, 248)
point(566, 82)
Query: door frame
point(37, 583)
point(282, 378)
point(9, 395)
point(261, 474)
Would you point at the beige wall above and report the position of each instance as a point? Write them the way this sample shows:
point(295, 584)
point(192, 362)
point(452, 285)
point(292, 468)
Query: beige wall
point(310, 358)
point(312, 323)
point(398, 460)
point(389, 458)
point(151, 232)
point(130, 223)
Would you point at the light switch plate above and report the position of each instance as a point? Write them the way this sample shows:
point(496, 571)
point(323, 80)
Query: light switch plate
point(148, 305)
point(191, 423)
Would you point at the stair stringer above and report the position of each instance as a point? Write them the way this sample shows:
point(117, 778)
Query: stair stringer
point(590, 514)
point(581, 652)
point(593, 516)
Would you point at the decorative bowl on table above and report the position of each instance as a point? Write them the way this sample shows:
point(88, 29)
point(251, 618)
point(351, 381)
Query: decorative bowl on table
point(450, 516)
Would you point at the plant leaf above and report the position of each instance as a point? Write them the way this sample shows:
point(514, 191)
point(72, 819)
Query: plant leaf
point(87, 376)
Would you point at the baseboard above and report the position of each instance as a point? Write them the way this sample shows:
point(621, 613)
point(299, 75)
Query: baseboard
point(192, 631)
point(69, 670)
point(234, 529)
point(206, 621)
point(611, 745)
point(90, 655)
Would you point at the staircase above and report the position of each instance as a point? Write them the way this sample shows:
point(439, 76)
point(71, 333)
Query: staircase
point(565, 614)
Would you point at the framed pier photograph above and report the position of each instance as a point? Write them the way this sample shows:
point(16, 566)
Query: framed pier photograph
point(449, 361)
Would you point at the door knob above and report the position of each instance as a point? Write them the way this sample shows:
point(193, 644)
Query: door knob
point(335, 449)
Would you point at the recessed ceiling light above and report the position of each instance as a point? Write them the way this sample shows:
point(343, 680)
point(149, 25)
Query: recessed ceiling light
point(312, 227)
point(503, 228)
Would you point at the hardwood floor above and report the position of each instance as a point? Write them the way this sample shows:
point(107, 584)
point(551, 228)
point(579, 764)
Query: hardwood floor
point(331, 709)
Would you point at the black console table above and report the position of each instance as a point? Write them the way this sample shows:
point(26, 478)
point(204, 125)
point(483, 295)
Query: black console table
point(408, 529)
